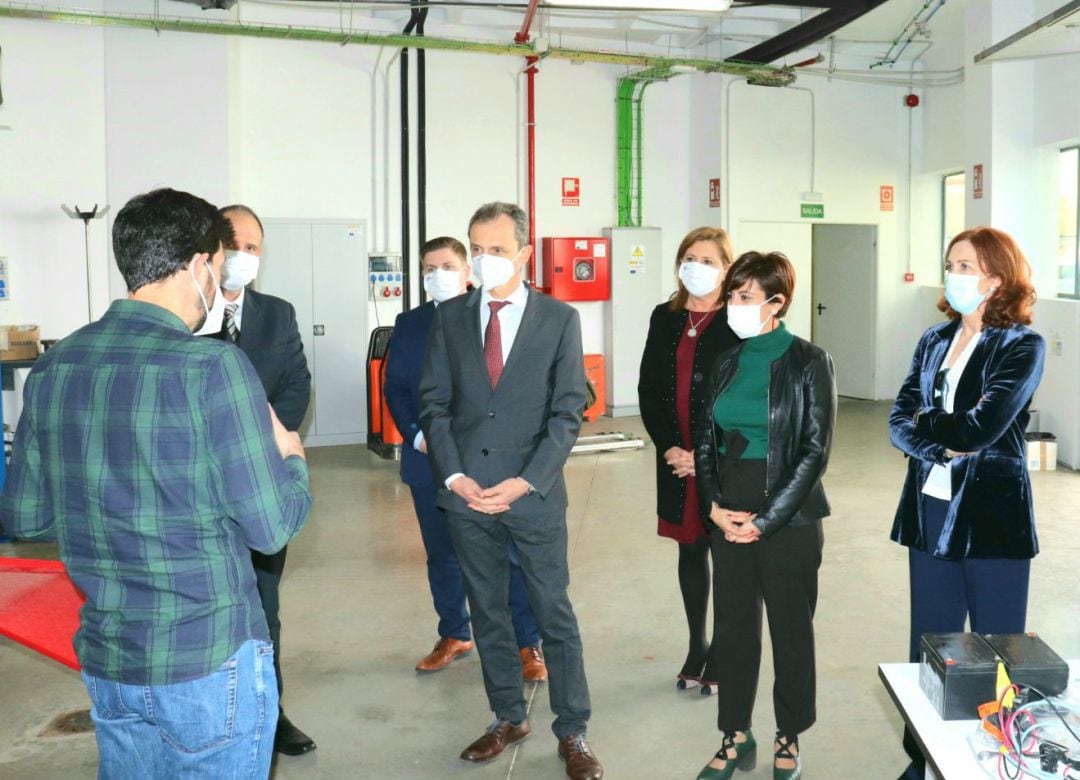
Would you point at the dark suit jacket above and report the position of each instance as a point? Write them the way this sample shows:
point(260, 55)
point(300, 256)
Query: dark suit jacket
point(408, 345)
point(270, 338)
point(656, 394)
point(527, 425)
point(990, 515)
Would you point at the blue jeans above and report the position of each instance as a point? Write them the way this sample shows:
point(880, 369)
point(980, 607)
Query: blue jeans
point(221, 725)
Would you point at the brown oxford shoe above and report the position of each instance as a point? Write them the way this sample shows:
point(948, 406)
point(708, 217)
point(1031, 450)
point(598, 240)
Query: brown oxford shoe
point(445, 651)
point(500, 735)
point(581, 764)
point(533, 668)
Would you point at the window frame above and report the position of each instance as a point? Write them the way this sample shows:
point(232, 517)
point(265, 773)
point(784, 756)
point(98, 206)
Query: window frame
point(945, 238)
point(1075, 294)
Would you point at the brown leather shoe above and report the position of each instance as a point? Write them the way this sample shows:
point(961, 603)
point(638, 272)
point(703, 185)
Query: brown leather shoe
point(499, 735)
point(581, 764)
point(533, 668)
point(445, 651)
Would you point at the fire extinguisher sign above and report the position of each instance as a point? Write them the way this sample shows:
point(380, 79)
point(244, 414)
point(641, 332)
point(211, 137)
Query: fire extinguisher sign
point(571, 191)
point(887, 197)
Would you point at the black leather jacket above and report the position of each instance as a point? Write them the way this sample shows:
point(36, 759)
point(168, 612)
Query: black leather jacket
point(802, 410)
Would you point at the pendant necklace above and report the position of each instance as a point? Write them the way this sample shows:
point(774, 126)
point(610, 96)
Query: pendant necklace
point(692, 333)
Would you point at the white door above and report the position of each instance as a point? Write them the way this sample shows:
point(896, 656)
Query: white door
point(793, 239)
point(844, 303)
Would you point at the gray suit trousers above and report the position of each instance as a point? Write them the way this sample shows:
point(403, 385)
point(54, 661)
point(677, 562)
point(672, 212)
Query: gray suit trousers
point(541, 541)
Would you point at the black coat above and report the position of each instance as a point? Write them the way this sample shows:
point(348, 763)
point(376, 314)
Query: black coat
point(802, 412)
point(656, 394)
point(270, 338)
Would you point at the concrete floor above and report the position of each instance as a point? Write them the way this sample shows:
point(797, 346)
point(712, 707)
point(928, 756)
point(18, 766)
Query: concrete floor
point(357, 615)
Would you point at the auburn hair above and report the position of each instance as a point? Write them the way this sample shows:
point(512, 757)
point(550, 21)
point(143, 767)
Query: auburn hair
point(719, 237)
point(999, 255)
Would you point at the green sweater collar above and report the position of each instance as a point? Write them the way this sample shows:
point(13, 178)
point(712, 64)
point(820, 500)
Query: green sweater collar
point(772, 344)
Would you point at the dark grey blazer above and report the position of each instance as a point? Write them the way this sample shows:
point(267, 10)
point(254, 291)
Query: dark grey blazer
point(526, 426)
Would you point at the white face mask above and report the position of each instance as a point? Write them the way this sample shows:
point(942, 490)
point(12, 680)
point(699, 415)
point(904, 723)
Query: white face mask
point(202, 295)
point(442, 285)
point(494, 271)
point(745, 319)
point(699, 279)
point(240, 269)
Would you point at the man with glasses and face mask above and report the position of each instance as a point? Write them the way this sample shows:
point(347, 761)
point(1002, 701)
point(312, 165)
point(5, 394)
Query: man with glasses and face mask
point(264, 328)
point(502, 395)
point(155, 460)
point(445, 269)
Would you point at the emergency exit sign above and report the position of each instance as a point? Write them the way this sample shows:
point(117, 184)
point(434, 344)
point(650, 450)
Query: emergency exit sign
point(812, 210)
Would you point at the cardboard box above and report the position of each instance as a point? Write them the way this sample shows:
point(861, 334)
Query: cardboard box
point(19, 342)
point(1041, 452)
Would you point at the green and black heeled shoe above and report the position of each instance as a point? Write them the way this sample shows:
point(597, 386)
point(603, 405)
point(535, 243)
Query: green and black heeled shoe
point(783, 751)
point(745, 758)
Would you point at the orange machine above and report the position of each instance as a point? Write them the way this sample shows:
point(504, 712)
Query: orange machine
point(594, 372)
point(383, 437)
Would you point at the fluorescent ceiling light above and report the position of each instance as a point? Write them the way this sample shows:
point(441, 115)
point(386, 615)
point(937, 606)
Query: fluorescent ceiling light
point(697, 6)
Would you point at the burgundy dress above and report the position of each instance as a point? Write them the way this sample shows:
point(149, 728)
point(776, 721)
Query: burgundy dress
point(692, 528)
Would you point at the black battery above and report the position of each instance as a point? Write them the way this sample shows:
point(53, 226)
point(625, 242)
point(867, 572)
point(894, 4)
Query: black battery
point(1030, 662)
point(958, 673)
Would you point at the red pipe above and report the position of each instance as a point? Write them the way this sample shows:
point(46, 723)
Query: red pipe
point(530, 132)
point(530, 129)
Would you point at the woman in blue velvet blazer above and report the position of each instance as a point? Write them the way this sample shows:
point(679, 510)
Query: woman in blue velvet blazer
point(965, 512)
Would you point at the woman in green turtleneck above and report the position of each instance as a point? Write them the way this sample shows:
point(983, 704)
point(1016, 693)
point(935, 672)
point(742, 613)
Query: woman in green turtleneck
point(759, 458)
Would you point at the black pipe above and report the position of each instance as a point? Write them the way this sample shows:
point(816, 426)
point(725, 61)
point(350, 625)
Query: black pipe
point(406, 261)
point(421, 142)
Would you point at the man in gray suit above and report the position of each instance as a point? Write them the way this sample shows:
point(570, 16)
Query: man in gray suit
point(502, 395)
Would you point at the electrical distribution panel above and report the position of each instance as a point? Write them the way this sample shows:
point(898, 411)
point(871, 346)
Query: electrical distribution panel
point(576, 269)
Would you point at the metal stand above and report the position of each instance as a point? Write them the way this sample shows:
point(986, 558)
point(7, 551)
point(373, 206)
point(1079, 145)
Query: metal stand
point(86, 216)
point(606, 442)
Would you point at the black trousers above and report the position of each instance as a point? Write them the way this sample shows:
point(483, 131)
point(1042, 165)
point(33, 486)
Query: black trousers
point(541, 543)
point(268, 570)
point(782, 572)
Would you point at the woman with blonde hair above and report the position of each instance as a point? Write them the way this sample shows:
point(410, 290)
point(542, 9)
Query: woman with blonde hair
point(686, 334)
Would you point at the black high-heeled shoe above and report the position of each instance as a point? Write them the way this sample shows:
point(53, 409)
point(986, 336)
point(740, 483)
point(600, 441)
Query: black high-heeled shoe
point(685, 682)
point(783, 750)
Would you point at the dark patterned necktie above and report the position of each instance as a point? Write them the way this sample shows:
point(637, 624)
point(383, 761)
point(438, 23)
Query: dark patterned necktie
point(231, 331)
point(493, 355)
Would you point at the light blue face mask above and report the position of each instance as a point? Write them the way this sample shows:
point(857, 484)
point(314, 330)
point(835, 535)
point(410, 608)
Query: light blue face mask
point(962, 292)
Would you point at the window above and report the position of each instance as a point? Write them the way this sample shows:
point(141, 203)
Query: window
point(952, 208)
point(1069, 179)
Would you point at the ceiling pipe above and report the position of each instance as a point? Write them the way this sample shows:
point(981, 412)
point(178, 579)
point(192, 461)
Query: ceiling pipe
point(396, 41)
point(812, 30)
point(406, 260)
point(421, 155)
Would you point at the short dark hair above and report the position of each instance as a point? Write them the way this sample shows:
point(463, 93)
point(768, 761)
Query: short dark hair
point(490, 212)
point(773, 272)
point(157, 233)
point(443, 242)
point(243, 210)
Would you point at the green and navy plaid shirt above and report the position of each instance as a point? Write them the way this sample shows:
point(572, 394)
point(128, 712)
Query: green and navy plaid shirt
point(150, 455)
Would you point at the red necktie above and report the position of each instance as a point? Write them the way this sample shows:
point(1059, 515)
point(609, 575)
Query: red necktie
point(493, 343)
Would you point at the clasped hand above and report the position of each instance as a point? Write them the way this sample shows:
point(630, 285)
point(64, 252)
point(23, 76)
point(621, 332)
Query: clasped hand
point(681, 461)
point(737, 527)
point(492, 500)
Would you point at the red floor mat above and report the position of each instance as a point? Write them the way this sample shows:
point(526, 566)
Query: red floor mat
point(39, 607)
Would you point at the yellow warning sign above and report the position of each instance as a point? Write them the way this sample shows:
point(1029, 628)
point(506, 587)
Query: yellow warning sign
point(638, 251)
point(637, 258)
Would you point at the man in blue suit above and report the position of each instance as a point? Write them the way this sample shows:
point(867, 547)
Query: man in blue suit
point(445, 270)
point(264, 328)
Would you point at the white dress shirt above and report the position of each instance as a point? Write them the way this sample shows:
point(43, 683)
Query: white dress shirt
point(216, 318)
point(939, 481)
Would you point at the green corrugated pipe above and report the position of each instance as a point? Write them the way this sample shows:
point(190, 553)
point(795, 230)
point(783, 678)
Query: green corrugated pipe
point(629, 92)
